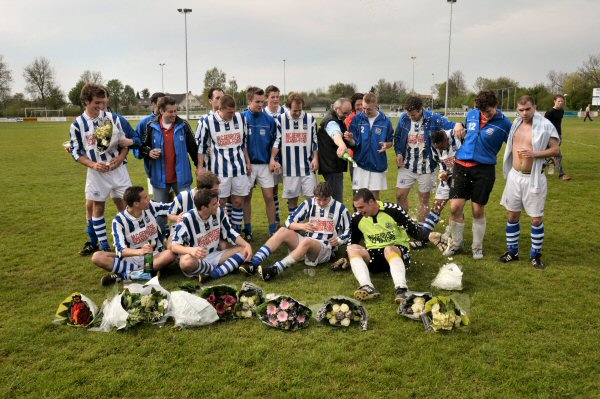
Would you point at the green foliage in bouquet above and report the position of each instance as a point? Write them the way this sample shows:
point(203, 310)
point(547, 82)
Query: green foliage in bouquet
point(447, 313)
point(285, 313)
point(249, 297)
point(103, 133)
point(76, 310)
point(341, 311)
point(142, 308)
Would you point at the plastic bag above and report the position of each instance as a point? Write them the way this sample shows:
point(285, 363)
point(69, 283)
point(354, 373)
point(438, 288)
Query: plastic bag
point(448, 278)
point(188, 310)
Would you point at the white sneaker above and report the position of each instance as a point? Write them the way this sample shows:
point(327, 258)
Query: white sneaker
point(477, 253)
point(451, 251)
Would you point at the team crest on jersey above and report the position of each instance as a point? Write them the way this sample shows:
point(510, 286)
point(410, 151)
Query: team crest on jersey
point(215, 222)
point(378, 130)
point(304, 126)
point(227, 127)
point(263, 132)
point(389, 225)
point(236, 126)
point(489, 131)
point(147, 219)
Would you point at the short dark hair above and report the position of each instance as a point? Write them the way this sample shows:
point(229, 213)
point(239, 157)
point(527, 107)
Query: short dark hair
point(355, 97)
point(132, 194)
point(526, 99)
point(204, 197)
point(155, 96)
point(226, 102)
point(208, 180)
point(254, 91)
point(294, 98)
point(365, 194)
point(559, 96)
point(91, 90)
point(164, 101)
point(413, 104)
point(323, 190)
point(485, 99)
point(438, 136)
point(212, 90)
point(270, 89)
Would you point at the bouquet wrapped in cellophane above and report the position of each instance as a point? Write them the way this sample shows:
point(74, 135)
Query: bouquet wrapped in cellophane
point(413, 306)
point(284, 312)
point(446, 313)
point(341, 311)
point(223, 298)
point(76, 310)
point(249, 297)
point(106, 135)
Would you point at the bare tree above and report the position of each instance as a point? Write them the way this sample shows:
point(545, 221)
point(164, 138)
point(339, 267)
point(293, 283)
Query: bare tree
point(92, 77)
point(556, 81)
point(590, 70)
point(5, 80)
point(39, 76)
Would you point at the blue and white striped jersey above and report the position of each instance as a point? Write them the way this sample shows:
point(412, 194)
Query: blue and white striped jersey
point(447, 157)
point(193, 231)
point(280, 111)
point(134, 233)
point(183, 202)
point(226, 142)
point(296, 140)
point(83, 142)
point(333, 220)
point(416, 159)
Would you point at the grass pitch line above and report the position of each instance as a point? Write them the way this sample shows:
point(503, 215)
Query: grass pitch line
point(576, 142)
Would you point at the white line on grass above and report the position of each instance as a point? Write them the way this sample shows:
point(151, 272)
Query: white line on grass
point(576, 142)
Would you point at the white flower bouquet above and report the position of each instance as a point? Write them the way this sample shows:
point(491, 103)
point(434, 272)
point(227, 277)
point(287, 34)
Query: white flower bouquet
point(249, 297)
point(446, 313)
point(341, 311)
point(414, 305)
point(103, 133)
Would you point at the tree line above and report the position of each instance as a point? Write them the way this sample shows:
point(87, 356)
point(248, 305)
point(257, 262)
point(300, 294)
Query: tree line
point(44, 92)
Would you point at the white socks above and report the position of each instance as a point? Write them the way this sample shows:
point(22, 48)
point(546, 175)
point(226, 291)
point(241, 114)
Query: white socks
point(360, 270)
point(479, 226)
point(457, 231)
point(397, 270)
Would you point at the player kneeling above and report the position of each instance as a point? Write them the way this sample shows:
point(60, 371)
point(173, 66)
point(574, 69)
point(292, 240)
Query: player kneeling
point(197, 237)
point(327, 226)
point(136, 233)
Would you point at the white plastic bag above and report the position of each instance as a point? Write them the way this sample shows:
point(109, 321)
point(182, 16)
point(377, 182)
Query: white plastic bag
point(448, 278)
point(188, 310)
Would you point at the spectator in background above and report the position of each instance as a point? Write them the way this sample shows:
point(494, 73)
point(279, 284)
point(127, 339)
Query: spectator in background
point(555, 115)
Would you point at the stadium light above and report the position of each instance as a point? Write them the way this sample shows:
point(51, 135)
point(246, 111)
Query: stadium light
point(413, 58)
point(448, 72)
point(162, 76)
point(185, 12)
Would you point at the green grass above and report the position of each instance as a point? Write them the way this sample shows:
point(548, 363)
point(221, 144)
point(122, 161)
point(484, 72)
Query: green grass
point(534, 334)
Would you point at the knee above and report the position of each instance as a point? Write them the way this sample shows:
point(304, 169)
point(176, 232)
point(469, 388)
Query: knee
point(536, 221)
point(97, 258)
point(353, 249)
point(187, 262)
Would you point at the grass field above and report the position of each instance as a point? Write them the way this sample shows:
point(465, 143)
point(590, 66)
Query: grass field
point(534, 334)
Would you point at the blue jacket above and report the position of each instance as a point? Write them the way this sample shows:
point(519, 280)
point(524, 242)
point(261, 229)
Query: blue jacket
point(261, 136)
point(185, 144)
point(482, 146)
point(431, 123)
point(368, 141)
point(140, 130)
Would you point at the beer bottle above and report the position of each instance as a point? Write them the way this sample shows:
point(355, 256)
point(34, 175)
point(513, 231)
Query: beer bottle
point(149, 261)
point(348, 157)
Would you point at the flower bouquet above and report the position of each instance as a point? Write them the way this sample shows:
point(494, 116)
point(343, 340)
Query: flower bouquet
point(413, 306)
point(284, 312)
point(189, 310)
point(76, 310)
point(445, 313)
point(223, 298)
point(103, 133)
point(341, 311)
point(250, 296)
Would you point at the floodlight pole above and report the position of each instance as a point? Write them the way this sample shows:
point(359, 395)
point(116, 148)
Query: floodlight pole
point(448, 71)
point(162, 76)
point(185, 12)
point(413, 58)
point(284, 92)
point(432, 85)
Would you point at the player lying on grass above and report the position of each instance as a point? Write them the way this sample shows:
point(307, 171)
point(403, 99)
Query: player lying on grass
point(136, 233)
point(327, 226)
point(197, 238)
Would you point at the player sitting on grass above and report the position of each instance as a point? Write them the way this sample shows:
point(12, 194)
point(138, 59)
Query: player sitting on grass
point(136, 233)
point(327, 226)
point(197, 237)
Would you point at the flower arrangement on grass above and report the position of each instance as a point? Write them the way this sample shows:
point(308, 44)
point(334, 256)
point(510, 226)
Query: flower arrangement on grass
point(285, 313)
point(223, 298)
point(250, 296)
point(413, 306)
point(341, 311)
point(446, 313)
point(144, 308)
point(76, 310)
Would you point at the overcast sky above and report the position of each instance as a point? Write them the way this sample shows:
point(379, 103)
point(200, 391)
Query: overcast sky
point(323, 42)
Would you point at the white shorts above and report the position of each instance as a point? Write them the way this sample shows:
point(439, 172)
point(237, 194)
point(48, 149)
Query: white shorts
point(407, 179)
point(443, 191)
point(212, 259)
point(294, 186)
point(238, 185)
point(517, 196)
point(99, 186)
point(262, 176)
point(376, 181)
point(323, 256)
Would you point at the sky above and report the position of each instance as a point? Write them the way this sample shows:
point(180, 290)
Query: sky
point(323, 42)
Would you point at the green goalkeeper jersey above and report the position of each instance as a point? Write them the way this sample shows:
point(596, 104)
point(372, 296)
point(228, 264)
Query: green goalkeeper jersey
point(389, 227)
